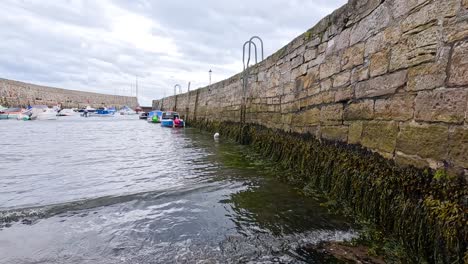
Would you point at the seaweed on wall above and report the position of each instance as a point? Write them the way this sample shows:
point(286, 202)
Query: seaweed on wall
point(425, 210)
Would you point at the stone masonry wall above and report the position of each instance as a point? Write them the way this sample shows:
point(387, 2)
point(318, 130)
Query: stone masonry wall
point(14, 93)
point(390, 75)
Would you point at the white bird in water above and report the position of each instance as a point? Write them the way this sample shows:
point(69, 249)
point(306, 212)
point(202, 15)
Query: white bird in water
point(216, 136)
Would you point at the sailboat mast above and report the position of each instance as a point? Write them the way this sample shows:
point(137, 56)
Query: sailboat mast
point(136, 90)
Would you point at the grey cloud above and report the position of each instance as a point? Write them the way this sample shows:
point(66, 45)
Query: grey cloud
point(39, 43)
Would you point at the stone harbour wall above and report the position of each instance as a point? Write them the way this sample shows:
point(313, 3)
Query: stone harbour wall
point(15, 93)
point(389, 75)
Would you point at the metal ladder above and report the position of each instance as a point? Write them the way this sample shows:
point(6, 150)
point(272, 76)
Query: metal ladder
point(245, 78)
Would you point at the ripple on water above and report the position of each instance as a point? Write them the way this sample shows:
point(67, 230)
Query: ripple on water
point(127, 191)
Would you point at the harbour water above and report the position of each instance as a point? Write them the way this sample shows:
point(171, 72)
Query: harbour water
point(126, 191)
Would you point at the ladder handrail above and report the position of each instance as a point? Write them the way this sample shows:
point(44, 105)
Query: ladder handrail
point(261, 43)
point(175, 89)
point(248, 58)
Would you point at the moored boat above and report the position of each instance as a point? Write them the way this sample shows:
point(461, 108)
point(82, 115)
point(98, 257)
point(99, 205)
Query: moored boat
point(42, 112)
point(127, 111)
point(66, 112)
point(11, 113)
point(104, 112)
point(143, 115)
point(171, 119)
point(25, 115)
point(155, 116)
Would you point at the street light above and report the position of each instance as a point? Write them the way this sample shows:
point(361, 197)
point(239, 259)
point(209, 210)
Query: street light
point(210, 75)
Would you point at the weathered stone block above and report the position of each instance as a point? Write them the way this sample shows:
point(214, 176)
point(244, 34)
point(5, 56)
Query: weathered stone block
point(444, 105)
point(416, 49)
point(312, 116)
point(314, 42)
point(297, 61)
point(424, 140)
point(288, 107)
point(314, 89)
point(383, 40)
point(355, 132)
point(465, 4)
point(330, 66)
point(362, 110)
point(344, 94)
point(379, 63)
point(455, 29)
point(427, 76)
point(317, 61)
point(458, 146)
point(362, 8)
point(379, 135)
point(353, 56)
point(341, 79)
point(326, 85)
point(359, 74)
point(331, 114)
point(432, 11)
point(382, 85)
point(459, 65)
point(311, 77)
point(335, 133)
point(310, 54)
point(322, 47)
point(331, 47)
point(299, 84)
point(374, 44)
point(315, 99)
point(286, 119)
point(342, 40)
point(403, 7)
point(371, 24)
point(328, 97)
point(398, 108)
point(399, 57)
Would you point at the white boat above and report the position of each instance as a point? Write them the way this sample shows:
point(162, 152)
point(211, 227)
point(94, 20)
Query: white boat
point(67, 112)
point(87, 111)
point(127, 111)
point(42, 112)
point(11, 113)
point(25, 115)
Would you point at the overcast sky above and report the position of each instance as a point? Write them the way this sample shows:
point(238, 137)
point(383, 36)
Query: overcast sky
point(101, 46)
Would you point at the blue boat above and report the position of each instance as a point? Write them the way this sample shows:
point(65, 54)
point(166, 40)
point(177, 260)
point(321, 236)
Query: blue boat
point(168, 120)
point(104, 112)
point(155, 116)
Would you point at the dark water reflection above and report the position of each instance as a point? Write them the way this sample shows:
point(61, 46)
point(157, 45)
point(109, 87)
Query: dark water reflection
point(126, 191)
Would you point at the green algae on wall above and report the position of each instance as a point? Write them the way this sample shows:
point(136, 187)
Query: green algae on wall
point(425, 210)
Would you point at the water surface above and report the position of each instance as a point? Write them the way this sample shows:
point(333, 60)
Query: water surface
point(127, 191)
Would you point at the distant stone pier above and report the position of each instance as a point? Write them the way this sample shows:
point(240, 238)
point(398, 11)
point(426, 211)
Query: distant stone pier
point(15, 93)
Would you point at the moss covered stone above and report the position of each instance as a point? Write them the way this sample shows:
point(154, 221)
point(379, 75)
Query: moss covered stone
point(355, 132)
point(424, 210)
point(424, 140)
point(336, 133)
point(458, 146)
point(380, 135)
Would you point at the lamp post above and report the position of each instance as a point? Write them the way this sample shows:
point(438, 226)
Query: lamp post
point(210, 76)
